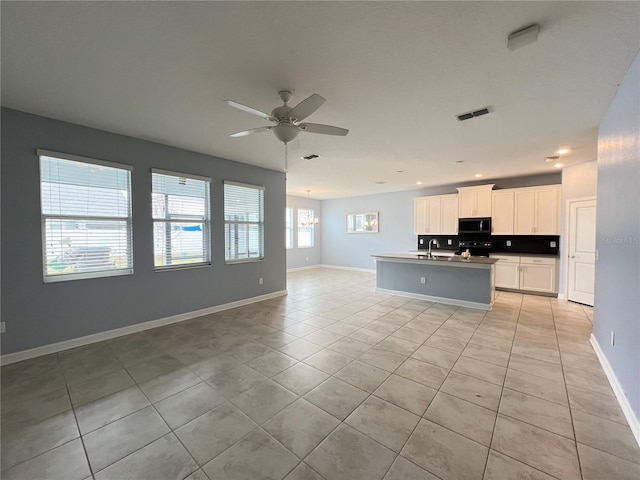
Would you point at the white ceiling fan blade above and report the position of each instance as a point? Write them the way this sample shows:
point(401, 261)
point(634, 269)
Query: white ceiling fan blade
point(307, 107)
point(323, 129)
point(250, 110)
point(249, 132)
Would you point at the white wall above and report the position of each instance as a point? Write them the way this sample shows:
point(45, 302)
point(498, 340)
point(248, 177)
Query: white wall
point(304, 257)
point(579, 181)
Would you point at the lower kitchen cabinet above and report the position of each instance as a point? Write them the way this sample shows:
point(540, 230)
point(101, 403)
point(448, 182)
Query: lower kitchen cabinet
point(527, 273)
point(507, 272)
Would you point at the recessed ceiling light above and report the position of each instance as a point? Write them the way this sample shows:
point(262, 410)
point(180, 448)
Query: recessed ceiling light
point(399, 171)
point(559, 165)
point(380, 182)
point(478, 175)
point(563, 151)
point(551, 159)
point(459, 161)
point(418, 183)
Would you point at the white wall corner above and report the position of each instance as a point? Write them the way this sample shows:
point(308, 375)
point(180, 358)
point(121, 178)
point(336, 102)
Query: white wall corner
point(618, 390)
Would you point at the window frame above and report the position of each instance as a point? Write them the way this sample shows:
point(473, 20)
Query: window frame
point(260, 223)
point(288, 232)
point(206, 221)
point(128, 220)
point(311, 226)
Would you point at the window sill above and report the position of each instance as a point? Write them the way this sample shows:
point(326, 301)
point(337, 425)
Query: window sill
point(173, 268)
point(86, 276)
point(243, 260)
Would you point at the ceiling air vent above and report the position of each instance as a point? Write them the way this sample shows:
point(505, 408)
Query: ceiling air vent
point(475, 113)
point(311, 157)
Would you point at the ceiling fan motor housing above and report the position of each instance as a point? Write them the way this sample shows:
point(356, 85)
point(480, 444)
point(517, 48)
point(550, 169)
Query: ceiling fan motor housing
point(285, 132)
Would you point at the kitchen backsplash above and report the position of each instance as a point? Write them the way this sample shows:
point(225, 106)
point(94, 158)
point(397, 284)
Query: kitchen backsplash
point(541, 244)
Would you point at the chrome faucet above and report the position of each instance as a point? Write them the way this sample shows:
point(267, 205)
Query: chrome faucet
point(429, 254)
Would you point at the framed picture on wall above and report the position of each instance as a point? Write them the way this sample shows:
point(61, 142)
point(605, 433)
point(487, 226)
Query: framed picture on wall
point(366, 222)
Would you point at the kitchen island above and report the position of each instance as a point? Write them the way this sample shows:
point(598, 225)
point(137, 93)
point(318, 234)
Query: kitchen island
point(444, 279)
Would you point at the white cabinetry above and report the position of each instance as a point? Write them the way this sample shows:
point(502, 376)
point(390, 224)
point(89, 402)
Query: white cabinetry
point(449, 214)
point(507, 272)
point(436, 214)
point(538, 274)
point(536, 210)
point(474, 201)
point(502, 212)
point(529, 273)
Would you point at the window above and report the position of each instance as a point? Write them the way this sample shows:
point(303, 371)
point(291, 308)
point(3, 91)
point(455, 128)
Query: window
point(306, 228)
point(243, 222)
point(86, 217)
point(181, 220)
point(288, 230)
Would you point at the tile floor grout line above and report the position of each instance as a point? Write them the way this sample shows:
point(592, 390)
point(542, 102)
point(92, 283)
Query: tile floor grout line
point(75, 417)
point(573, 427)
point(495, 421)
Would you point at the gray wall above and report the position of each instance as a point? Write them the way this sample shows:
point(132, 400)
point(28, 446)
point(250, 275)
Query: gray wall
point(38, 314)
point(617, 298)
point(396, 221)
point(305, 257)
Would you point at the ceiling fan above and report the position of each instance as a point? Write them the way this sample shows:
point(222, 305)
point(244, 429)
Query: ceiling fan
point(287, 119)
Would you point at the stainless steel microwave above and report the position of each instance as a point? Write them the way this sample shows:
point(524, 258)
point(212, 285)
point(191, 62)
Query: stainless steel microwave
point(474, 225)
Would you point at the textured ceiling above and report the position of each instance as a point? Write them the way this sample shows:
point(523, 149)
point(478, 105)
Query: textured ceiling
point(394, 73)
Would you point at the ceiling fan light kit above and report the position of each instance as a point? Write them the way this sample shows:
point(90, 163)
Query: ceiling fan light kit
point(287, 119)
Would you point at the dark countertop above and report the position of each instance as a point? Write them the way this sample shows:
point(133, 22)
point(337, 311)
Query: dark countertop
point(450, 260)
point(515, 254)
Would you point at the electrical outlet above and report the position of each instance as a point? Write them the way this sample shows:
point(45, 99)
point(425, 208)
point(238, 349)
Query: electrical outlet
point(423, 280)
point(3, 327)
point(449, 241)
point(613, 338)
point(421, 241)
point(553, 244)
point(260, 281)
point(508, 243)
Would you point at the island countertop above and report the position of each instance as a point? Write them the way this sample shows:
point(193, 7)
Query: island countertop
point(452, 261)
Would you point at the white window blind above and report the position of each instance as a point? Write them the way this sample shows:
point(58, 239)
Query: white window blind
point(288, 227)
point(86, 217)
point(243, 222)
point(181, 219)
point(306, 228)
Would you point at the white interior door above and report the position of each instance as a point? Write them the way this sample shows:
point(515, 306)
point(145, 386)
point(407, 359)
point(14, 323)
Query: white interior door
point(582, 251)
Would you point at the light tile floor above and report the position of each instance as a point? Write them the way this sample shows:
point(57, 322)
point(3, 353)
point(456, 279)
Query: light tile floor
point(333, 381)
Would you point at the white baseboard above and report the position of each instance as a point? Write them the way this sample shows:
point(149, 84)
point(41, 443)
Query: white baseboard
point(138, 327)
point(618, 390)
point(429, 298)
point(353, 269)
point(300, 269)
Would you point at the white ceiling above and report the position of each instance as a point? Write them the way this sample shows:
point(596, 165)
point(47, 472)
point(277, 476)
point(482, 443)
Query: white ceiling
point(394, 73)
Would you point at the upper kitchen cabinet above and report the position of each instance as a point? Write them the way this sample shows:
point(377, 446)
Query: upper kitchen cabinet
point(436, 214)
point(502, 212)
point(537, 210)
point(474, 201)
point(449, 214)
